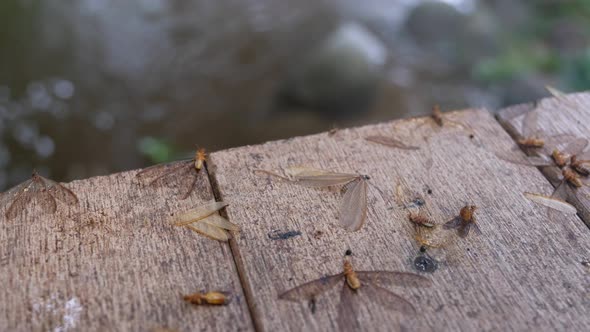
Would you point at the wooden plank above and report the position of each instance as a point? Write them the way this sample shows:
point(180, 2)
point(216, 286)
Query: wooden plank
point(523, 273)
point(556, 116)
point(117, 265)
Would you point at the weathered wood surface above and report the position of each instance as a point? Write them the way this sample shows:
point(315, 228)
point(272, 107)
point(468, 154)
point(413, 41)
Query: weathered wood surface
point(113, 263)
point(524, 273)
point(556, 116)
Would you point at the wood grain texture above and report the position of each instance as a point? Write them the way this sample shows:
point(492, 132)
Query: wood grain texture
point(524, 273)
point(556, 116)
point(113, 263)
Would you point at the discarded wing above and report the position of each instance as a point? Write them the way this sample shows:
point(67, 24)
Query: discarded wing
point(188, 170)
point(555, 92)
point(390, 142)
point(360, 286)
point(567, 189)
point(353, 210)
point(44, 191)
point(551, 202)
point(205, 220)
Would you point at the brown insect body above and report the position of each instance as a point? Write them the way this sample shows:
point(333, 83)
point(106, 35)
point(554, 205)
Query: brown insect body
point(572, 177)
point(437, 115)
point(466, 213)
point(531, 142)
point(351, 278)
point(580, 166)
point(559, 158)
point(420, 220)
point(214, 298)
point(200, 157)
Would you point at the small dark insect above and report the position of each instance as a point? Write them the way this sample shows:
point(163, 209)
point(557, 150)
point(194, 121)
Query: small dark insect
point(464, 222)
point(420, 220)
point(278, 235)
point(360, 285)
point(189, 167)
point(353, 209)
point(44, 191)
point(333, 131)
point(390, 142)
point(215, 298)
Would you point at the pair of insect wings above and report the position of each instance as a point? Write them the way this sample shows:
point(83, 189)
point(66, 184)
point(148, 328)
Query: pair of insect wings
point(205, 220)
point(370, 290)
point(353, 210)
point(43, 191)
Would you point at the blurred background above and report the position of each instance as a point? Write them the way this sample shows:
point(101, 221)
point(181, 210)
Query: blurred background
point(91, 87)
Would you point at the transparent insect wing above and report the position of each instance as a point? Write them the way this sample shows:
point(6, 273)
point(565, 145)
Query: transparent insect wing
point(552, 202)
point(388, 299)
point(453, 223)
point(22, 196)
point(394, 278)
point(516, 157)
point(530, 123)
point(60, 192)
point(156, 173)
point(188, 185)
point(46, 201)
point(390, 142)
point(219, 221)
point(198, 213)
point(576, 146)
point(464, 229)
point(211, 231)
point(557, 142)
point(325, 180)
point(476, 229)
point(299, 171)
point(563, 192)
point(347, 319)
point(312, 289)
point(353, 209)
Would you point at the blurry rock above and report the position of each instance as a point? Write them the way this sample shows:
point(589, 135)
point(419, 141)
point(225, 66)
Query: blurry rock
point(451, 36)
point(340, 77)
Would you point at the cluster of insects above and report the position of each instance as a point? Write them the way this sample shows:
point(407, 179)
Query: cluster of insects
point(564, 157)
point(564, 153)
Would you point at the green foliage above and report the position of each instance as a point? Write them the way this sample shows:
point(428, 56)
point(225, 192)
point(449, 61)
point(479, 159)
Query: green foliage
point(576, 72)
point(515, 62)
point(156, 150)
